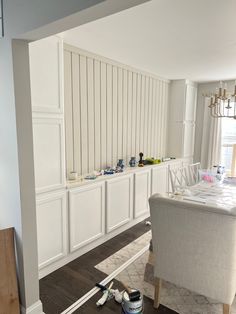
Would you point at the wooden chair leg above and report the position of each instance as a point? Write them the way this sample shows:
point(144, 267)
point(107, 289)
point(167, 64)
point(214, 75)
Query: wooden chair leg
point(226, 309)
point(157, 293)
point(151, 258)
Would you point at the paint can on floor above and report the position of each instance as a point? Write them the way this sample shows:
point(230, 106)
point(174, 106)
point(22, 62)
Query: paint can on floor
point(131, 307)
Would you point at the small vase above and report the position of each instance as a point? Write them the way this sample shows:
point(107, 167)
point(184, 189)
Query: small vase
point(121, 164)
point(132, 162)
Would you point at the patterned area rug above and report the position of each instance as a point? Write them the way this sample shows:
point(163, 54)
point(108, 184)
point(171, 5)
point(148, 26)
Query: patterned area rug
point(176, 298)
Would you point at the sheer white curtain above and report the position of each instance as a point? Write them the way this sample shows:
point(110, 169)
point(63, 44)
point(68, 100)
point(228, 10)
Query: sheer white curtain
point(211, 139)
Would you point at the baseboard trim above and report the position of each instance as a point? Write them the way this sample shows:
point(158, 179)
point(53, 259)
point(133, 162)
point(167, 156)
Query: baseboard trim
point(35, 308)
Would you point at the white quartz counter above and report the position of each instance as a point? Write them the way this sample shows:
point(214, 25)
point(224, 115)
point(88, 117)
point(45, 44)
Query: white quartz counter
point(128, 170)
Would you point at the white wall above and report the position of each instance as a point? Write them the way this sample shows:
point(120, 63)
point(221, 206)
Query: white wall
point(204, 88)
point(112, 111)
point(17, 199)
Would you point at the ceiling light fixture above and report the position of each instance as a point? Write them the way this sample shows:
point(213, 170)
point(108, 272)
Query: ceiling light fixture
point(222, 103)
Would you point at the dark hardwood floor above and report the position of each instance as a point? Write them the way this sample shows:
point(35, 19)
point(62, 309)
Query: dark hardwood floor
point(66, 285)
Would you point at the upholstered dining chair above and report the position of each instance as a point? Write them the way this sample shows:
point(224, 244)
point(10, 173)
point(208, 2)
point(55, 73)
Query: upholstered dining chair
point(194, 247)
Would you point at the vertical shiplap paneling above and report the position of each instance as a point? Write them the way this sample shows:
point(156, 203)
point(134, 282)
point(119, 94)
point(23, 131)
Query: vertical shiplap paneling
point(165, 128)
point(114, 116)
point(159, 118)
point(76, 112)
point(149, 125)
point(91, 138)
point(84, 113)
point(68, 112)
point(137, 128)
point(109, 115)
point(146, 109)
point(129, 115)
point(164, 119)
point(103, 115)
point(133, 116)
point(111, 112)
point(142, 114)
point(152, 143)
point(120, 114)
point(125, 112)
point(161, 114)
point(155, 119)
point(97, 114)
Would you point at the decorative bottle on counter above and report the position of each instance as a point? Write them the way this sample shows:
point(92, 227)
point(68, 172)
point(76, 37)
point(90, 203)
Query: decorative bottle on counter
point(140, 163)
point(132, 162)
point(121, 164)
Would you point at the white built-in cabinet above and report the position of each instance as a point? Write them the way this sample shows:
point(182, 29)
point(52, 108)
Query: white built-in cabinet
point(47, 97)
point(182, 115)
point(51, 227)
point(86, 214)
point(159, 180)
point(89, 213)
point(119, 201)
point(142, 180)
point(46, 73)
point(73, 219)
point(48, 153)
point(188, 135)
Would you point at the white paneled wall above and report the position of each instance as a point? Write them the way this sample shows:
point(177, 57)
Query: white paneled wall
point(111, 111)
point(47, 97)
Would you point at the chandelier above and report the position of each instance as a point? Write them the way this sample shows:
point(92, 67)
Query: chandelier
point(222, 103)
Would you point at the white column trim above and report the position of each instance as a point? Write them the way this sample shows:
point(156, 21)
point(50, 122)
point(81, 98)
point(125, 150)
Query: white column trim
point(35, 308)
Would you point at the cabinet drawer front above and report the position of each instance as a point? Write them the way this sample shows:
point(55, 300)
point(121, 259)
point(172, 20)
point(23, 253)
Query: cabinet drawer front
point(142, 193)
point(86, 215)
point(51, 228)
point(119, 196)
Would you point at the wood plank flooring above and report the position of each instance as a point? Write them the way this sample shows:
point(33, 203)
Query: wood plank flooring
point(66, 285)
point(9, 299)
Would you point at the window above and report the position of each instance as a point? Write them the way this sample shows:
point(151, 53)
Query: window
point(228, 151)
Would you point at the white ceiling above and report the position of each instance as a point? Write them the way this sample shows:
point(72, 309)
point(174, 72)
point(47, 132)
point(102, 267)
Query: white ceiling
point(193, 39)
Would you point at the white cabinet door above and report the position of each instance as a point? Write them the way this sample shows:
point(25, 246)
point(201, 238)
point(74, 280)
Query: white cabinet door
point(176, 139)
point(86, 214)
point(189, 133)
point(52, 228)
point(141, 193)
point(119, 201)
point(49, 160)
point(177, 100)
point(183, 99)
point(191, 101)
point(46, 72)
point(159, 180)
point(181, 139)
